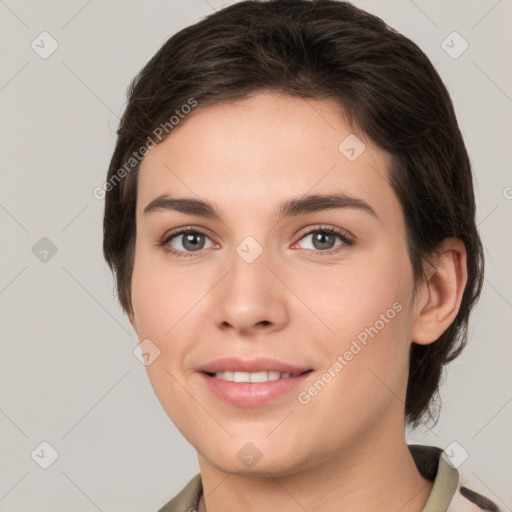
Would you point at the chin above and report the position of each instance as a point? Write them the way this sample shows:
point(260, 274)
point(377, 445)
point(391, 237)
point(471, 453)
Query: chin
point(251, 458)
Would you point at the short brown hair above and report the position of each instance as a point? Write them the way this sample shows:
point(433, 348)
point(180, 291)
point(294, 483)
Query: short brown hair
point(322, 49)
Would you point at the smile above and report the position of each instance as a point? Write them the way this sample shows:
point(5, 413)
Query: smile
point(255, 389)
point(253, 376)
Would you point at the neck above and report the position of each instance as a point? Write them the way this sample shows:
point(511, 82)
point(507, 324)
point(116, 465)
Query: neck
point(369, 475)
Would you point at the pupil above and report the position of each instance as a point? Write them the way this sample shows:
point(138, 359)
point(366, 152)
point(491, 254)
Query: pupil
point(321, 239)
point(189, 238)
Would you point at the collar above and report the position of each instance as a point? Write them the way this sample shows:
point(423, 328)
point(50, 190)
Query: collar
point(428, 459)
point(433, 466)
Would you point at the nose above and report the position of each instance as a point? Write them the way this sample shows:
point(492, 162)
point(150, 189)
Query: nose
point(250, 298)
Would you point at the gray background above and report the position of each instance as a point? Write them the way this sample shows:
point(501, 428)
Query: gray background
point(68, 373)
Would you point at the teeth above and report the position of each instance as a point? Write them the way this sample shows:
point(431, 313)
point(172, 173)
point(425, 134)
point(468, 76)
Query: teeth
point(252, 377)
point(258, 377)
point(241, 377)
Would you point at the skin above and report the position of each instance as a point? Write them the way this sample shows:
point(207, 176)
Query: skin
point(346, 448)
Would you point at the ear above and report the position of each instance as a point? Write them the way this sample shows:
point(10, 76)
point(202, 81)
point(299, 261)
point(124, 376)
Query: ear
point(439, 297)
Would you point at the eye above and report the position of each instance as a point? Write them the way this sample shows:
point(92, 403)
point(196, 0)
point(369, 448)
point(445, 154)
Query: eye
point(324, 239)
point(185, 241)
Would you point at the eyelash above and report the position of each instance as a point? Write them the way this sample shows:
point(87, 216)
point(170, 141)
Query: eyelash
point(347, 241)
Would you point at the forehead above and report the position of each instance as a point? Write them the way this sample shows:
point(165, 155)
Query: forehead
point(254, 153)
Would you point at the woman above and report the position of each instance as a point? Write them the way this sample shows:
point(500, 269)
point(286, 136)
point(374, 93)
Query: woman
point(291, 219)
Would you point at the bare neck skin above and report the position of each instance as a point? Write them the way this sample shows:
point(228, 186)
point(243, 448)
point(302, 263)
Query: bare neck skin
point(377, 472)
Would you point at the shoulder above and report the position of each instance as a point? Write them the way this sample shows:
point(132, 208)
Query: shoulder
point(187, 500)
point(466, 500)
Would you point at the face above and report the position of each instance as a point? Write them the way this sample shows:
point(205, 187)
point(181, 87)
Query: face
point(320, 289)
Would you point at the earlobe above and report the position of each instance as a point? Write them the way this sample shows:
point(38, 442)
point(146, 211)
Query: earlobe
point(439, 299)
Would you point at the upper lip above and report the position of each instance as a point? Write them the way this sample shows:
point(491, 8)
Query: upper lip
point(232, 364)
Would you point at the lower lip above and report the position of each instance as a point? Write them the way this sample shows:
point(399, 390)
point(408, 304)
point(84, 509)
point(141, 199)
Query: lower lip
point(252, 394)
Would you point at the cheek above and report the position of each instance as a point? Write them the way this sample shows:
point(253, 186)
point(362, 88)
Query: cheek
point(161, 302)
point(157, 296)
point(368, 311)
point(167, 303)
point(354, 298)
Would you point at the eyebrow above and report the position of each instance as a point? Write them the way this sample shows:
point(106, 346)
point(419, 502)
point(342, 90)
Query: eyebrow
point(290, 208)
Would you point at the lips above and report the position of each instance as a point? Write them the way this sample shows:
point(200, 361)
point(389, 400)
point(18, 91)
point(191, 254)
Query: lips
point(252, 383)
